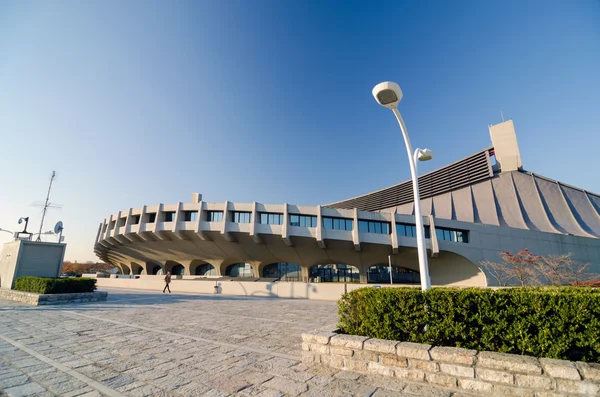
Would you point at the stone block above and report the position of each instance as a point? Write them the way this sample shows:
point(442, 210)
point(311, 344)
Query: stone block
point(380, 369)
point(317, 337)
point(334, 361)
point(410, 374)
point(317, 348)
point(475, 385)
point(575, 386)
point(454, 355)
point(442, 379)
point(561, 369)
point(355, 365)
point(425, 390)
point(380, 345)
point(534, 382)
point(350, 341)
point(509, 362)
point(429, 366)
point(512, 391)
point(309, 358)
point(341, 351)
point(393, 360)
point(491, 375)
point(305, 346)
point(457, 370)
point(365, 355)
point(590, 371)
point(413, 350)
point(548, 394)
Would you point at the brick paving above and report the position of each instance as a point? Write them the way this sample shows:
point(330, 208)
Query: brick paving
point(145, 343)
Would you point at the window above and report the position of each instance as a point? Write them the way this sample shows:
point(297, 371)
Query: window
point(409, 230)
point(240, 217)
point(169, 216)
point(112, 225)
point(104, 228)
point(458, 236)
point(374, 227)
point(151, 217)
point(190, 216)
point(122, 221)
point(337, 223)
point(214, 216)
point(303, 220)
point(135, 219)
point(268, 218)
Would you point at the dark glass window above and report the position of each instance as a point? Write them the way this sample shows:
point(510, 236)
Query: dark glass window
point(269, 218)
point(190, 216)
point(104, 228)
point(458, 236)
point(240, 217)
point(214, 216)
point(283, 271)
point(239, 270)
point(408, 230)
point(374, 227)
point(135, 219)
point(303, 220)
point(151, 217)
point(337, 223)
point(169, 216)
point(122, 221)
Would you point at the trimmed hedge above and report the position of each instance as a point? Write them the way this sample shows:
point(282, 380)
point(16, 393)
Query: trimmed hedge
point(554, 322)
point(44, 285)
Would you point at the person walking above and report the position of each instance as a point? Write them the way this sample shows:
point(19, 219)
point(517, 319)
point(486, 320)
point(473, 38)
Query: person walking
point(167, 281)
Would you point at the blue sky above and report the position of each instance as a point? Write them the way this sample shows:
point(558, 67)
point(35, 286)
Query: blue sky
point(142, 102)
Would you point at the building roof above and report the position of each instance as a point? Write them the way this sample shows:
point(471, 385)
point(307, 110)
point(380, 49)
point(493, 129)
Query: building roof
point(470, 191)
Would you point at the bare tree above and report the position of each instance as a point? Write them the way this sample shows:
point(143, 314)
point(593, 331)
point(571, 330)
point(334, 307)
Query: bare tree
point(521, 267)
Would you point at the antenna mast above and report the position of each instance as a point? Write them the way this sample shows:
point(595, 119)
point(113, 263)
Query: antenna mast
point(46, 205)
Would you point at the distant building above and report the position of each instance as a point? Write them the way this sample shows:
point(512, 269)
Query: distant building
point(473, 209)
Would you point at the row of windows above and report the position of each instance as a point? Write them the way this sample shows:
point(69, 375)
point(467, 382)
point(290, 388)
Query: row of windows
point(374, 227)
point(337, 223)
point(402, 229)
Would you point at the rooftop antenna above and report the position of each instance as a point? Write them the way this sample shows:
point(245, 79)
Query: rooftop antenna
point(502, 115)
point(46, 205)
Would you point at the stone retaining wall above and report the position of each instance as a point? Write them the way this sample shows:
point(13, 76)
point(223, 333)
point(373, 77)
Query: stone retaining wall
point(52, 299)
point(474, 372)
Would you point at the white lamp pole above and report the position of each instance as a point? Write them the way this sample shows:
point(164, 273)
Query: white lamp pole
point(389, 94)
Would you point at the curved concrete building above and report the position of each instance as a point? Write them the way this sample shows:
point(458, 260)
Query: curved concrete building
point(473, 209)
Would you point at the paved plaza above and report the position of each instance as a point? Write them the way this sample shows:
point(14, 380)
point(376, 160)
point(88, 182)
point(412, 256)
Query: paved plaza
point(145, 343)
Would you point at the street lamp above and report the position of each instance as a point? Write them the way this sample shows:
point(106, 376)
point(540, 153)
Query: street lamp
point(389, 94)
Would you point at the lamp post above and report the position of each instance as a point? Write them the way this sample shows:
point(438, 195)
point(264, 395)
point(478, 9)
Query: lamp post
point(388, 94)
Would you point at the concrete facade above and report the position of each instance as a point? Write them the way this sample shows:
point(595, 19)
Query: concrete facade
point(473, 209)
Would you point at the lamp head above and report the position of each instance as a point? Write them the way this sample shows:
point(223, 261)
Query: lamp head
point(424, 154)
point(387, 94)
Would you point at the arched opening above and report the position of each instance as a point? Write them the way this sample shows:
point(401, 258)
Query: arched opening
point(239, 270)
point(178, 270)
point(205, 269)
point(125, 269)
point(381, 274)
point(175, 268)
point(140, 270)
point(157, 269)
point(334, 273)
point(284, 271)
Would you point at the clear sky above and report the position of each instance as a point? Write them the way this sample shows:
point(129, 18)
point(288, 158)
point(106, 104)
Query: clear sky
point(145, 102)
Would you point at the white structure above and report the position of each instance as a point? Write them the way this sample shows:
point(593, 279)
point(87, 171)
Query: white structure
point(29, 258)
point(472, 210)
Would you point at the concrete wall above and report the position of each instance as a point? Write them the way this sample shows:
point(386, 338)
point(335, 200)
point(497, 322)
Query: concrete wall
point(30, 258)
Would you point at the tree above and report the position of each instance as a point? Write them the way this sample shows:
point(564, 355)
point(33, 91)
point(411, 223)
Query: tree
point(521, 267)
point(525, 268)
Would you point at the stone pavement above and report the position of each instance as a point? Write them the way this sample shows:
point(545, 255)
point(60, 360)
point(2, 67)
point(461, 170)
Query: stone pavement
point(145, 343)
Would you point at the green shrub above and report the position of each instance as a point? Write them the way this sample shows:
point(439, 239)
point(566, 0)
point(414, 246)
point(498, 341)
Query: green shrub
point(554, 322)
point(44, 285)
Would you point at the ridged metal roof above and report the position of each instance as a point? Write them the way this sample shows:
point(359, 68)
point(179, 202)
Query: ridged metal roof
point(467, 171)
point(470, 192)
